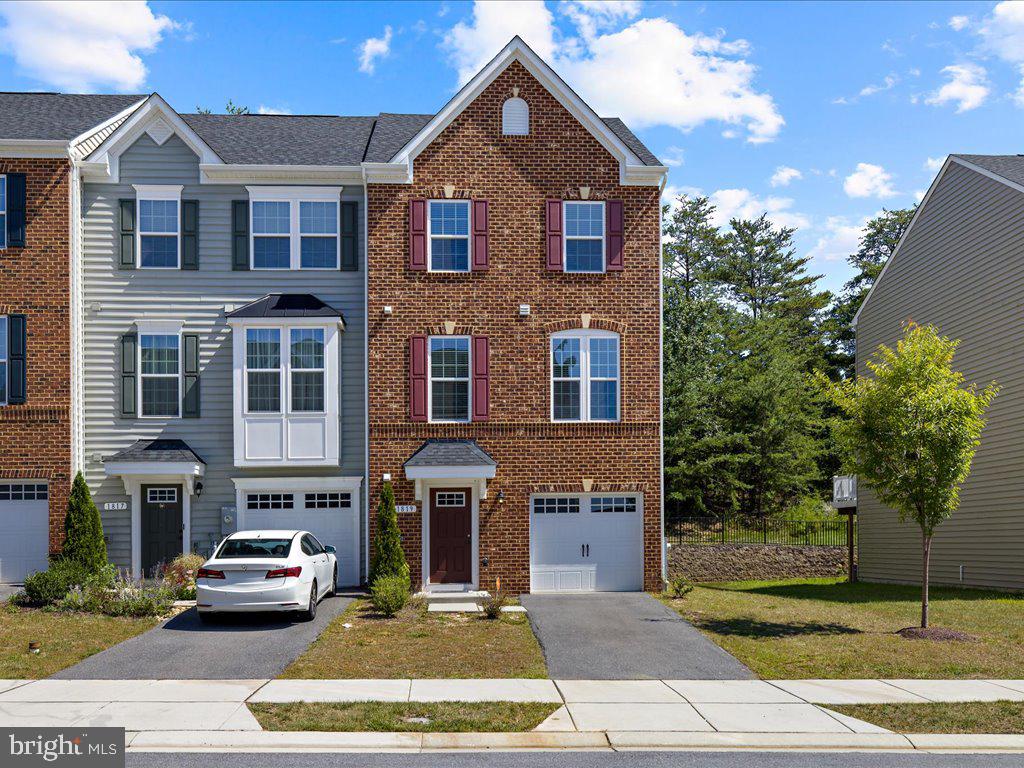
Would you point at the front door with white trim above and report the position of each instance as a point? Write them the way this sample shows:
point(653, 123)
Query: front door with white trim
point(586, 543)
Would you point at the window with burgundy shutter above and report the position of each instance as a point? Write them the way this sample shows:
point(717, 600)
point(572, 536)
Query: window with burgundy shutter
point(418, 234)
point(554, 234)
point(418, 378)
point(481, 378)
point(481, 240)
point(614, 230)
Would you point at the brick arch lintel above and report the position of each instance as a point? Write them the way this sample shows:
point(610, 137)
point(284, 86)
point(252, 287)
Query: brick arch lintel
point(594, 323)
point(441, 329)
point(595, 488)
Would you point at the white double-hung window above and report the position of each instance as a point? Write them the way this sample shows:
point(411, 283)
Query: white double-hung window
point(158, 231)
point(448, 241)
point(306, 369)
point(263, 370)
point(449, 366)
point(296, 378)
point(160, 374)
point(585, 375)
point(584, 236)
point(295, 227)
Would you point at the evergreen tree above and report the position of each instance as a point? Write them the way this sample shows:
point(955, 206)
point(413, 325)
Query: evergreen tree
point(692, 247)
point(388, 556)
point(83, 529)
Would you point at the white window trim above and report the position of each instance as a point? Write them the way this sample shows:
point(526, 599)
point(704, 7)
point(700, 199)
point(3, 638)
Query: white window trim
point(173, 496)
point(246, 370)
point(159, 328)
point(6, 358)
point(156, 192)
point(294, 196)
point(584, 335)
point(566, 238)
point(3, 211)
point(468, 380)
point(321, 370)
point(468, 237)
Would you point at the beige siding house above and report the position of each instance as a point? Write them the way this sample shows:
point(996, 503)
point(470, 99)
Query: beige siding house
point(960, 267)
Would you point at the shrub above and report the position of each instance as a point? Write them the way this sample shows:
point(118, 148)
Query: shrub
point(677, 588)
point(83, 540)
point(52, 585)
point(493, 603)
point(389, 594)
point(388, 557)
point(180, 575)
point(128, 598)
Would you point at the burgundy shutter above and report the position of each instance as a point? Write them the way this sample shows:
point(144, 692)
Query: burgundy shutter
point(554, 235)
point(418, 234)
point(481, 379)
point(613, 235)
point(418, 378)
point(480, 239)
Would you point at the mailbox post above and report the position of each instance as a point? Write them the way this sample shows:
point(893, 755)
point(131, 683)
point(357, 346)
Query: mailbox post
point(844, 500)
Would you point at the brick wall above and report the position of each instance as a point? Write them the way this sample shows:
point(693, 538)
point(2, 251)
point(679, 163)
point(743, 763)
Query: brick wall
point(35, 438)
point(516, 174)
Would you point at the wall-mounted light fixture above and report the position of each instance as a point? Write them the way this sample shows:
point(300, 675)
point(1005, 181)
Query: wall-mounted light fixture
point(386, 477)
point(501, 497)
point(199, 488)
point(388, 311)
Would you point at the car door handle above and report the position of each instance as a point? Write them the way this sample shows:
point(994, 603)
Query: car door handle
point(588, 550)
point(583, 550)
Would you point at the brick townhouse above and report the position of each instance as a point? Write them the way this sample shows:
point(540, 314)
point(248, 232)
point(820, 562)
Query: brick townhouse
point(253, 321)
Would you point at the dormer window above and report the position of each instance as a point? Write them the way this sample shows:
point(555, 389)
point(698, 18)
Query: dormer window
point(515, 117)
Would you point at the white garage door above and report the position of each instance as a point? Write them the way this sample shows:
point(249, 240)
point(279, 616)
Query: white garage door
point(24, 530)
point(328, 515)
point(586, 543)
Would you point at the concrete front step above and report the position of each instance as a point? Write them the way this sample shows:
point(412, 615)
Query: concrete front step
point(463, 601)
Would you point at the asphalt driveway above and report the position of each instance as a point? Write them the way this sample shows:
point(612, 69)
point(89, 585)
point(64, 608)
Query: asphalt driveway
point(624, 636)
point(238, 647)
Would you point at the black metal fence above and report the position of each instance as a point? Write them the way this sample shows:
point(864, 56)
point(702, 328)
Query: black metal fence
point(744, 530)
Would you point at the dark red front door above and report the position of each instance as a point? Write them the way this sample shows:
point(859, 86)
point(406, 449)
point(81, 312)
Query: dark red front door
point(451, 536)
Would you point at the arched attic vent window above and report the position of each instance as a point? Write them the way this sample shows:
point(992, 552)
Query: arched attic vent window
point(515, 117)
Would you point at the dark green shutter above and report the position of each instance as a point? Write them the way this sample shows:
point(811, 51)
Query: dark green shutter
point(15, 210)
point(127, 259)
point(190, 234)
point(240, 234)
point(190, 398)
point(129, 356)
point(349, 230)
point(17, 359)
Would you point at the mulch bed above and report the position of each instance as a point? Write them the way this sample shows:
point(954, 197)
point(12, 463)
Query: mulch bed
point(939, 634)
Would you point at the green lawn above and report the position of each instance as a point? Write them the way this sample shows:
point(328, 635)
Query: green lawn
point(827, 628)
point(961, 717)
point(65, 639)
point(418, 644)
point(444, 717)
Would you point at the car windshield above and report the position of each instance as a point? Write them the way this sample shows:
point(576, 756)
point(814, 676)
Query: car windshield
point(255, 548)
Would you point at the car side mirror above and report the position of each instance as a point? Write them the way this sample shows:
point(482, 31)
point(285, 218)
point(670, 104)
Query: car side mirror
point(329, 549)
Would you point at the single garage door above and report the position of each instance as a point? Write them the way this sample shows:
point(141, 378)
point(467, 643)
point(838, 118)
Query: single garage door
point(586, 543)
point(328, 515)
point(24, 530)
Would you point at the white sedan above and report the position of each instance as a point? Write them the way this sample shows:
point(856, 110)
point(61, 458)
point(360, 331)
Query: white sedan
point(267, 571)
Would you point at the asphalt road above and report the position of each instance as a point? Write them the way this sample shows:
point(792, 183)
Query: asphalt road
point(237, 647)
point(623, 636)
point(577, 760)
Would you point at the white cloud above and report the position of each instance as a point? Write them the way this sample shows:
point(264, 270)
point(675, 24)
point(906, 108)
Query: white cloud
point(372, 49)
point(1002, 33)
point(265, 110)
point(650, 72)
point(919, 195)
point(744, 204)
point(933, 164)
point(673, 156)
point(592, 16)
point(784, 175)
point(967, 87)
point(839, 238)
point(869, 180)
point(958, 23)
point(79, 46)
point(887, 84)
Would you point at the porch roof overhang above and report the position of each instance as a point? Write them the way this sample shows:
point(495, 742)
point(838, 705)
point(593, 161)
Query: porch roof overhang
point(450, 459)
point(160, 460)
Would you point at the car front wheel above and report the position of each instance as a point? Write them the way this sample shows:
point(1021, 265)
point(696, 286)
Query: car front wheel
point(334, 583)
point(310, 613)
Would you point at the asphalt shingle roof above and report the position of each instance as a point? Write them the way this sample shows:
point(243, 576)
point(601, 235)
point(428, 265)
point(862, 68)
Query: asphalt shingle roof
point(450, 452)
point(57, 116)
point(161, 450)
point(1008, 166)
point(629, 138)
point(287, 305)
point(284, 139)
point(391, 133)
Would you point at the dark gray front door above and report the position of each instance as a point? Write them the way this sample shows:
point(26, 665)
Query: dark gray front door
point(161, 525)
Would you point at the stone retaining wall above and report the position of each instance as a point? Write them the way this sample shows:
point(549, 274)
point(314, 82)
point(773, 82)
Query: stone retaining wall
point(740, 562)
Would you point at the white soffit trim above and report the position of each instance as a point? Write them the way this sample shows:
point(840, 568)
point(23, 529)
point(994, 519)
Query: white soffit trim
point(452, 472)
point(224, 173)
point(119, 117)
point(165, 468)
point(326, 483)
point(518, 50)
point(153, 112)
point(328, 194)
point(920, 207)
point(33, 148)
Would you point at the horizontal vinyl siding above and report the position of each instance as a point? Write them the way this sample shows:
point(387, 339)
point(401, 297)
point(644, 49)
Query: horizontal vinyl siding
point(115, 298)
point(962, 270)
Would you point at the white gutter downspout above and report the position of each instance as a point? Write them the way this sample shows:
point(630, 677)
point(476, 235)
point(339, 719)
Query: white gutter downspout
point(661, 379)
point(366, 368)
point(76, 287)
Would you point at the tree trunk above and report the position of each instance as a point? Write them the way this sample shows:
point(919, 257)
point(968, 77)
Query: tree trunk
point(926, 546)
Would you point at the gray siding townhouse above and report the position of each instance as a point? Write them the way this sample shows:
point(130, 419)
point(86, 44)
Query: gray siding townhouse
point(223, 301)
point(960, 267)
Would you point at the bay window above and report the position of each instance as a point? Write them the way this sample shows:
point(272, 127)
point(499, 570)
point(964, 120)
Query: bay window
point(307, 369)
point(263, 370)
point(585, 375)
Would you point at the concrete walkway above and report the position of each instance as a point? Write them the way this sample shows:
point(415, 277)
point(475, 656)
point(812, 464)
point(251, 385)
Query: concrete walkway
point(242, 646)
point(626, 635)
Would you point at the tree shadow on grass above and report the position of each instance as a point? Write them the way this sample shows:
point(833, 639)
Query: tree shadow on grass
point(860, 592)
point(747, 627)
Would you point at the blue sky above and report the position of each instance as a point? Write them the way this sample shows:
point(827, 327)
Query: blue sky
point(820, 114)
